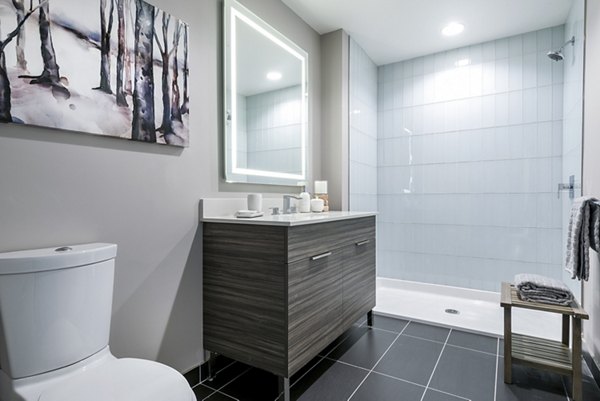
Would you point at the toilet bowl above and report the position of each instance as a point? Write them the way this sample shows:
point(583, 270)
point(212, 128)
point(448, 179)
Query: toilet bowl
point(55, 310)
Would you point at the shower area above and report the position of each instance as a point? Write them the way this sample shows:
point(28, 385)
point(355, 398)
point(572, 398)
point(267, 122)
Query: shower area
point(472, 157)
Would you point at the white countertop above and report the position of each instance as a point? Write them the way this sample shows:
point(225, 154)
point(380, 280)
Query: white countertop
point(295, 219)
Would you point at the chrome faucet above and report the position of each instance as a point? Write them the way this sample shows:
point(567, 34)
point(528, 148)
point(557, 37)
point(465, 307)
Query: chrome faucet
point(287, 201)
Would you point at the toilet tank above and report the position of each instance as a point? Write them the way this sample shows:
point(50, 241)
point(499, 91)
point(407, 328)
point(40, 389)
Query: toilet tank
point(55, 306)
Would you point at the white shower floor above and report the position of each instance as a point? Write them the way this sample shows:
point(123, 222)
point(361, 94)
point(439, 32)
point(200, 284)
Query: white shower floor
point(480, 311)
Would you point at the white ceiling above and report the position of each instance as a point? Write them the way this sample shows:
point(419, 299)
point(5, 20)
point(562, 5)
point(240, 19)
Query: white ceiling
point(394, 30)
point(256, 56)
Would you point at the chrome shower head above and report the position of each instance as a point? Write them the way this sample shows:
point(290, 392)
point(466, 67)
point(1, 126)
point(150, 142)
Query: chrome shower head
point(557, 55)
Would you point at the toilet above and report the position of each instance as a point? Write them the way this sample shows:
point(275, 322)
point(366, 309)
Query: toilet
point(55, 311)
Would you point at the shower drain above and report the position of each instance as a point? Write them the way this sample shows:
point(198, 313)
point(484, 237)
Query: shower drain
point(452, 311)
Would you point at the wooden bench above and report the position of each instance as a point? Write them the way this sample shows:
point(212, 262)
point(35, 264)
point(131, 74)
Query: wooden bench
point(538, 352)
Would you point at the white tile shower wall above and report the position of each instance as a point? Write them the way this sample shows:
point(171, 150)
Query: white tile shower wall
point(572, 116)
point(273, 122)
point(469, 155)
point(363, 130)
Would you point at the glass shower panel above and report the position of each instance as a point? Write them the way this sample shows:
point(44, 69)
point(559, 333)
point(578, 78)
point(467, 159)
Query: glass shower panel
point(572, 120)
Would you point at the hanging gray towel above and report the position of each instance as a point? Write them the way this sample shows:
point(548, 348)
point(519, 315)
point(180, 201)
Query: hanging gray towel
point(578, 238)
point(595, 225)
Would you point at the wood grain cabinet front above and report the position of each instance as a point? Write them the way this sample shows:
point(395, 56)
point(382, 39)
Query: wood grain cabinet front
point(277, 307)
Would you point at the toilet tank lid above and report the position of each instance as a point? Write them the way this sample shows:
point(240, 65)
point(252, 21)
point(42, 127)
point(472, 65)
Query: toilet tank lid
point(37, 260)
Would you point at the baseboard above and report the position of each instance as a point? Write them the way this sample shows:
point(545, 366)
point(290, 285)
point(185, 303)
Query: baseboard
point(589, 360)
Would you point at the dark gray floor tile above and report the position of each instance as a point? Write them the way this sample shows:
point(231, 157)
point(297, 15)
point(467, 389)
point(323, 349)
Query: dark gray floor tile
point(365, 350)
point(476, 342)
point(411, 359)
point(220, 363)
point(219, 397)
point(383, 388)
point(226, 375)
point(591, 392)
point(193, 376)
point(434, 395)
point(328, 381)
point(465, 373)
point(309, 366)
point(254, 385)
point(202, 391)
point(352, 335)
point(426, 331)
point(388, 323)
point(529, 385)
point(501, 348)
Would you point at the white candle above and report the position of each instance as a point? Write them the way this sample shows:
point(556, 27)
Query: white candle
point(320, 187)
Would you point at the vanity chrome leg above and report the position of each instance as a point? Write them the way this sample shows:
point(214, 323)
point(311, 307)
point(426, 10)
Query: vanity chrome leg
point(370, 318)
point(211, 366)
point(284, 387)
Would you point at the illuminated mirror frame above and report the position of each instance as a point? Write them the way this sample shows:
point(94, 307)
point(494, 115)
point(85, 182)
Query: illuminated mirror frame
point(236, 13)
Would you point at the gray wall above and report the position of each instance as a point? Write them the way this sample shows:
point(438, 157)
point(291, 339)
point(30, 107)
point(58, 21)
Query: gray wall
point(591, 168)
point(334, 72)
point(66, 188)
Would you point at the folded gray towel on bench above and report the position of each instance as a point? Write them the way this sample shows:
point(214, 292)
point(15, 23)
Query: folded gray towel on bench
point(536, 288)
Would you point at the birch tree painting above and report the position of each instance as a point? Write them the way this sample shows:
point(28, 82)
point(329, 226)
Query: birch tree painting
point(109, 67)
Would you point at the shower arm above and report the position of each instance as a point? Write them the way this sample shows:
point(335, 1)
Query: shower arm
point(571, 41)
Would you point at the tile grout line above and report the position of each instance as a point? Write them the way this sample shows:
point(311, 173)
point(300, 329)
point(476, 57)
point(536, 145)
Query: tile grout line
point(436, 365)
point(397, 378)
point(497, 360)
point(305, 373)
point(221, 393)
point(341, 341)
point(232, 380)
point(562, 379)
point(347, 364)
point(379, 360)
point(216, 373)
point(449, 345)
point(471, 349)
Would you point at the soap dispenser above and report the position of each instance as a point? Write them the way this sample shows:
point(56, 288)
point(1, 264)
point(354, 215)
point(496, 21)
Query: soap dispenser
point(304, 202)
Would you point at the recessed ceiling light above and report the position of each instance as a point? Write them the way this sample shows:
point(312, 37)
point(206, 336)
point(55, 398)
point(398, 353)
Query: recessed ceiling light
point(274, 76)
point(462, 62)
point(453, 28)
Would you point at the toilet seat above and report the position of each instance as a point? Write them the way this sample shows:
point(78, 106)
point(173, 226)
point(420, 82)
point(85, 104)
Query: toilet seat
point(122, 380)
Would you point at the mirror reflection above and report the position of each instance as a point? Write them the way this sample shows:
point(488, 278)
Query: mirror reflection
point(265, 102)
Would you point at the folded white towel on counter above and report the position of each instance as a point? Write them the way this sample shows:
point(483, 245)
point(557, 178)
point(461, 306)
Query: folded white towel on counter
point(536, 288)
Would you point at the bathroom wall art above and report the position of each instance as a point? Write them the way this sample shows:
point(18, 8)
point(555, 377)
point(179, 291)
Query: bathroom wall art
point(108, 67)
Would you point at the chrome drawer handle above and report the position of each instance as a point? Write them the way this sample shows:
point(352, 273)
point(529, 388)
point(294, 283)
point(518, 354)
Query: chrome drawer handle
point(321, 256)
point(361, 243)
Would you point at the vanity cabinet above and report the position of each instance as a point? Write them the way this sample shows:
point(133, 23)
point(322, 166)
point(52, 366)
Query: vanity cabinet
point(275, 296)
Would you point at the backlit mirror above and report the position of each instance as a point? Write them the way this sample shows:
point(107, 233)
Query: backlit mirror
point(265, 102)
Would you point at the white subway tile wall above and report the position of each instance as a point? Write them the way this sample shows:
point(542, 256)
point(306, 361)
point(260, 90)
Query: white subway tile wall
point(274, 127)
point(363, 130)
point(469, 154)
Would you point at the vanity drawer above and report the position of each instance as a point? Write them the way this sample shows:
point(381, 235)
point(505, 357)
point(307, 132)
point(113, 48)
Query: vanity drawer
point(246, 242)
point(309, 240)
